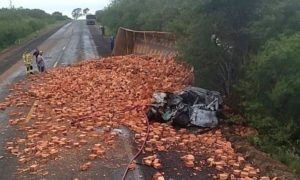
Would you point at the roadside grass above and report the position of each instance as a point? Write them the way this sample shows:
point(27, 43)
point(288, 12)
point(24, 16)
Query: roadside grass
point(286, 155)
point(291, 159)
point(41, 31)
point(34, 35)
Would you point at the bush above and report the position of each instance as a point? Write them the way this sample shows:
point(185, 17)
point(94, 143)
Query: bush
point(272, 93)
point(19, 23)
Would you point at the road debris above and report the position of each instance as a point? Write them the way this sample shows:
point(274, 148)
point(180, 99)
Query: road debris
point(85, 166)
point(152, 161)
point(158, 176)
point(188, 160)
point(86, 102)
point(192, 106)
point(132, 166)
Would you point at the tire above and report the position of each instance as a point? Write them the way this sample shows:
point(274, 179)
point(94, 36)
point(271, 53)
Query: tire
point(150, 114)
point(181, 120)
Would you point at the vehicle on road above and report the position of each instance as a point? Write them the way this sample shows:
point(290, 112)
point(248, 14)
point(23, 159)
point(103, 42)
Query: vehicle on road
point(90, 19)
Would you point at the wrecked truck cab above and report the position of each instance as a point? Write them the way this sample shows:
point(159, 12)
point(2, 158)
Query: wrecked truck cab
point(196, 95)
point(192, 106)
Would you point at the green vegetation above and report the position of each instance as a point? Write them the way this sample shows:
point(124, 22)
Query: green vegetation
point(248, 50)
point(19, 23)
point(271, 98)
point(78, 12)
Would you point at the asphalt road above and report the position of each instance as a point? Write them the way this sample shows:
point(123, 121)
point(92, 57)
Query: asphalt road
point(72, 43)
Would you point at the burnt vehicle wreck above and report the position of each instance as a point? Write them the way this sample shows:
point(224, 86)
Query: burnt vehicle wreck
point(192, 106)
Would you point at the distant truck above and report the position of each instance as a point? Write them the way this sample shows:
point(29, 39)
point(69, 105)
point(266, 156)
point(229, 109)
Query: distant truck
point(90, 19)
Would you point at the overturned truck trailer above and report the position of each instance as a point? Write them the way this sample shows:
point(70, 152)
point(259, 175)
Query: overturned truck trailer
point(151, 43)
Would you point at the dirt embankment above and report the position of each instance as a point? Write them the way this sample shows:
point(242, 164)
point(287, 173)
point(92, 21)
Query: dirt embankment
point(268, 166)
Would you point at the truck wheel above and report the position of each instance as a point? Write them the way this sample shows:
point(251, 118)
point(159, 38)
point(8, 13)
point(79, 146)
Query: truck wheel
point(182, 120)
point(150, 114)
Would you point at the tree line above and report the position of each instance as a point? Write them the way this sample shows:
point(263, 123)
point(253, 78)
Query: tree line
point(17, 23)
point(78, 12)
point(248, 50)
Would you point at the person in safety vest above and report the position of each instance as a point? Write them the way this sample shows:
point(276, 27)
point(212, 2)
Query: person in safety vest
point(27, 59)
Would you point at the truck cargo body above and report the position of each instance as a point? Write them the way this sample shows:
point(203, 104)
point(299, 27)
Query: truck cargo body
point(151, 43)
point(90, 19)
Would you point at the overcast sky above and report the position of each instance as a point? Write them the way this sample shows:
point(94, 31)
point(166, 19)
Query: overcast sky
point(64, 6)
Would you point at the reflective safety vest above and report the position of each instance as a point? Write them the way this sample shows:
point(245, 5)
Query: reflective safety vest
point(27, 58)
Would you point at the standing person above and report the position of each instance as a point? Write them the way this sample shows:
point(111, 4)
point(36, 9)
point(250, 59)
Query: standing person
point(40, 62)
point(112, 43)
point(102, 30)
point(27, 59)
point(36, 54)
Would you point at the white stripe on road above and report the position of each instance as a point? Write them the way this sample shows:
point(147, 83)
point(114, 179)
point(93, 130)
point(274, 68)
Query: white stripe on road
point(58, 60)
point(55, 64)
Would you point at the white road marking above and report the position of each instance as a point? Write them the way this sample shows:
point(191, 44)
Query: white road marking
point(58, 60)
point(55, 64)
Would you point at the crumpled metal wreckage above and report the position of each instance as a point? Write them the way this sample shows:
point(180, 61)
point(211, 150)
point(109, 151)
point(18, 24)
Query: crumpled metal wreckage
point(192, 106)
